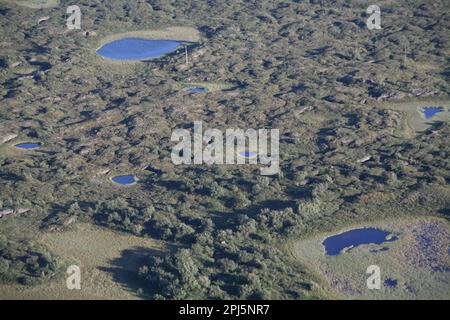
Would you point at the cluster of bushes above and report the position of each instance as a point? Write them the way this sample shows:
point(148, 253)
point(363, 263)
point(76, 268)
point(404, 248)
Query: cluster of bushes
point(233, 261)
point(161, 223)
point(223, 266)
point(26, 262)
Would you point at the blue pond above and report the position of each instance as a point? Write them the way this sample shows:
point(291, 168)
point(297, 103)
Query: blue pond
point(28, 145)
point(125, 180)
point(391, 283)
point(430, 112)
point(248, 154)
point(353, 238)
point(196, 90)
point(137, 49)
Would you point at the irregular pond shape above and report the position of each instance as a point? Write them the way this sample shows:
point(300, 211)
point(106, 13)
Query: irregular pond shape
point(137, 49)
point(334, 245)
point(391, 283)
point(430, 112)
point(28, 145)
point(196, 90)
point(124, 180)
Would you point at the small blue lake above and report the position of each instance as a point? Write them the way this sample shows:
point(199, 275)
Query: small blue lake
point(353, 238)
point(28, 145)
point(196, 90)
point(124, 180)
point(248, 154)
point(391, 283)
point(137, 49)
point(430, 112)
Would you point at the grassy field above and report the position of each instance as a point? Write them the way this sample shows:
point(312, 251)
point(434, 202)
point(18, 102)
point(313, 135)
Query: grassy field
point(108, 261)
point(418, 260)
point(36, 4)
point(414, 120)
point(187, 34)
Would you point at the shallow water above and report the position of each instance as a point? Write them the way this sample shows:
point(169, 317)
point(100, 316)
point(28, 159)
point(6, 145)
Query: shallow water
point(248, 154)
point(28, 145)
point(391, 283)
point(137, 49)
point(125, 180)
point(197, 90)
point(430, 112)
point(353, 238)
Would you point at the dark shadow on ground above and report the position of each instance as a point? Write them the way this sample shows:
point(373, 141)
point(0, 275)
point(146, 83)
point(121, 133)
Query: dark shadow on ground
point(125, 268)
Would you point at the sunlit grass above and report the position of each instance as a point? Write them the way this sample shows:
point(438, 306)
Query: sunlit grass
point(404, 261)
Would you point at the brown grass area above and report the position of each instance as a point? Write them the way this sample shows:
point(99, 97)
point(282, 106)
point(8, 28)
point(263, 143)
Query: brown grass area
point(375, 196)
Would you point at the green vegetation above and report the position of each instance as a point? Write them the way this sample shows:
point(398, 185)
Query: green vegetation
point(109, 262)
point(308, 68)
point(26, 262)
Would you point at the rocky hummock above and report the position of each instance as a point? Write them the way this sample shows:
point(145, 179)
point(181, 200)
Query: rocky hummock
point(11, 212)
point(8, 137)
